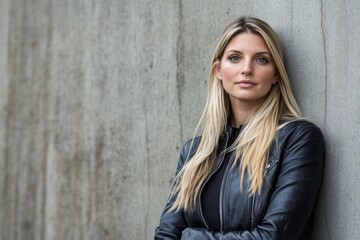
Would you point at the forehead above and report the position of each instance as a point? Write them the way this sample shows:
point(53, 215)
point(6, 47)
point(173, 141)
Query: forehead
point(247, 42)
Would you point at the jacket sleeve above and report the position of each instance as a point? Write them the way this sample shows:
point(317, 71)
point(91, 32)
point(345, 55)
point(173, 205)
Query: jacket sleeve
point(173, 223)
point(294, 196)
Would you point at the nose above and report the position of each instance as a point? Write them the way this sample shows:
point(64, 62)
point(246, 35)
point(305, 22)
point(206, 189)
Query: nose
point(247, 68)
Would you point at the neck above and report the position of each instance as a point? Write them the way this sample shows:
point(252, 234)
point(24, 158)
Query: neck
point(242, 111)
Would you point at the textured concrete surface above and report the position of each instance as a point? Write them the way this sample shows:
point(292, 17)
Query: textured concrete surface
point(97, 97)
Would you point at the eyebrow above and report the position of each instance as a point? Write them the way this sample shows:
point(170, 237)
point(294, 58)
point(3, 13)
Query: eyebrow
point(257, 53)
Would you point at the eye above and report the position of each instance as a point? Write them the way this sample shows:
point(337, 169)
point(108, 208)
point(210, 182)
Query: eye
point(262, 60)
point(234, 58)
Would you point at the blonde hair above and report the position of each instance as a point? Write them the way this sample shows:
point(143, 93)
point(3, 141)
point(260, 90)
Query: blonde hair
point(253, 143)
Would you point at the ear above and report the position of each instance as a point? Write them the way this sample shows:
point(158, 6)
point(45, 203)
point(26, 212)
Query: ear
point(276, 78)
point(216, 67)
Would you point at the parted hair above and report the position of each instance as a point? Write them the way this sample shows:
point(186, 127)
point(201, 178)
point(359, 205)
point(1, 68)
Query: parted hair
point(253, 143)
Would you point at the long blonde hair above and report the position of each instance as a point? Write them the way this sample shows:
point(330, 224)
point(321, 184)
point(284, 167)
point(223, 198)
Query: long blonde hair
point(253, 144)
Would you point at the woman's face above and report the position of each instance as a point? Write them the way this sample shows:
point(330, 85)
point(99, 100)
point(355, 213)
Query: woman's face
point(247, 69)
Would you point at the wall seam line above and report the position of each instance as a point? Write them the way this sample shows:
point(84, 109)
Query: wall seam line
point(325, 62)
point(179, 65)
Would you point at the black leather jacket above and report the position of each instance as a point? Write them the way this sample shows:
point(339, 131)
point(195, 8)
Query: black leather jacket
point(282, 210)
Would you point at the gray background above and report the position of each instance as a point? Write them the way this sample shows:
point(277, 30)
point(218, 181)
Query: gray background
point(97, 98)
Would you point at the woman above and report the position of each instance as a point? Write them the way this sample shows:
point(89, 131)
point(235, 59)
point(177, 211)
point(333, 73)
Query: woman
point(256, 170)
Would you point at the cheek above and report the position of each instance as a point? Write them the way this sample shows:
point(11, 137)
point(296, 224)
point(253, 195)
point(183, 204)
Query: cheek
point(228, 71)
point(267, 76)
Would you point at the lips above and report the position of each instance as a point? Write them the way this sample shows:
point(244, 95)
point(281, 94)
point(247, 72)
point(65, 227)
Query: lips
point(245, 83)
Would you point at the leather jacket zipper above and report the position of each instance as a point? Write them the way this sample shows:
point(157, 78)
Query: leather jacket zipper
point(221, 193)
point(252, 212)
point(201, 213)
point(202, 187)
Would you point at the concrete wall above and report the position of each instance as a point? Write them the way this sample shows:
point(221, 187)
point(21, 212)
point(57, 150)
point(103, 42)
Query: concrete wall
point(97, 97)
